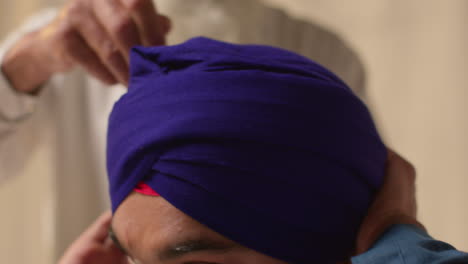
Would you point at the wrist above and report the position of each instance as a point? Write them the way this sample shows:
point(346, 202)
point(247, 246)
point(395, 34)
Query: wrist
point(24, 65)
point(387, 221)
point(373, 229)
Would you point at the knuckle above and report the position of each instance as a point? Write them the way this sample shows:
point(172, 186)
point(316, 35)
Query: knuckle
point(68, 50)
point(401, 166)
point(63, 29)
point(122, 25)
point(112, 57)
point(407, 167)
point(67, 38)
point(109, 52)
point(411, 170)
point(67, 31)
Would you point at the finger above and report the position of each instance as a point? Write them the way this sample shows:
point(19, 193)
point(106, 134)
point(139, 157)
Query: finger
point(402, 176)
point(145, 16)
point(98, 231)
point(118, 23)
point(400, 166)
point(390, 153)
point(114, 253)
point(395, 202)
point(102, 44)
point(166, 24)
point(80, 53)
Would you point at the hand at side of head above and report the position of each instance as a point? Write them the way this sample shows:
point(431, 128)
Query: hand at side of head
point(94, 34)
point(94, 246)
point(394, 204)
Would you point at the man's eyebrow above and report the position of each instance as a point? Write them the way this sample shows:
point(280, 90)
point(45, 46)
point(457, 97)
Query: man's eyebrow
point(116, 241)
point(194, 245)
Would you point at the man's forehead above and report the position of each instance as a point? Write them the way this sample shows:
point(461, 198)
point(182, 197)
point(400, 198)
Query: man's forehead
point(151, 223)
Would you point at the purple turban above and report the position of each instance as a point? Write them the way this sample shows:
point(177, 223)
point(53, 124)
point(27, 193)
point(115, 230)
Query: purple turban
point(259, 144)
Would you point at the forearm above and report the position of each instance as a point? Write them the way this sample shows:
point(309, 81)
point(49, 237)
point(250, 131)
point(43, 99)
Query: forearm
point(19, 60)
point(24, 67)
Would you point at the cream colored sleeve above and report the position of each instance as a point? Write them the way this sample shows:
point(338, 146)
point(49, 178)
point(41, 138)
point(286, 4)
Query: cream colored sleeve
point(16, 107)
point(17, 140)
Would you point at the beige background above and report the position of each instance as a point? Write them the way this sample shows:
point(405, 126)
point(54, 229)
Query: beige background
point(416, 58)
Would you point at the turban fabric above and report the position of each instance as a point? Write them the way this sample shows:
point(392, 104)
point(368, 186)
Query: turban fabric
point(259, 144)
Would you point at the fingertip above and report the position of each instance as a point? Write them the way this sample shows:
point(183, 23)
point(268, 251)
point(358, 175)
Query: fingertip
point(102, 225)
point(107, 213)
point(391, 153)
point(105, 217)
point(166, 24)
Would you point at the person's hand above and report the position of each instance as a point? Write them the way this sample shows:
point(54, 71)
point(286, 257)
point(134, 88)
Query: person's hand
point(394, 204)
point(94, 34)
point(94, 246)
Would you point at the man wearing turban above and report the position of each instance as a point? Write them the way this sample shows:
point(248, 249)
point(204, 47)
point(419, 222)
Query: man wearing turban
point(248, 138)
point(223, 153)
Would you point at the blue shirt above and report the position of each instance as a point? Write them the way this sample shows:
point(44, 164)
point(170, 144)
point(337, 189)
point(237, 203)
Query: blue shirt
point(407, 244)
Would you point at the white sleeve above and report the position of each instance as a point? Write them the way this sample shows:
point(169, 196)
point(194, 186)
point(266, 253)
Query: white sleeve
point(16, 107)
point(19, 136)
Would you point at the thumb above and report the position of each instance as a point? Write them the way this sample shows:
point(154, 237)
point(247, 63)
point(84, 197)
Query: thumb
point(395, 202)
point(99, 230)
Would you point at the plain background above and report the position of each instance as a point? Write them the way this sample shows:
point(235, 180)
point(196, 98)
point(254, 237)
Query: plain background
point(415, 53)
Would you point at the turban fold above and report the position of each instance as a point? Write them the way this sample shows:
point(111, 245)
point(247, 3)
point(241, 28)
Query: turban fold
point(259, 144)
